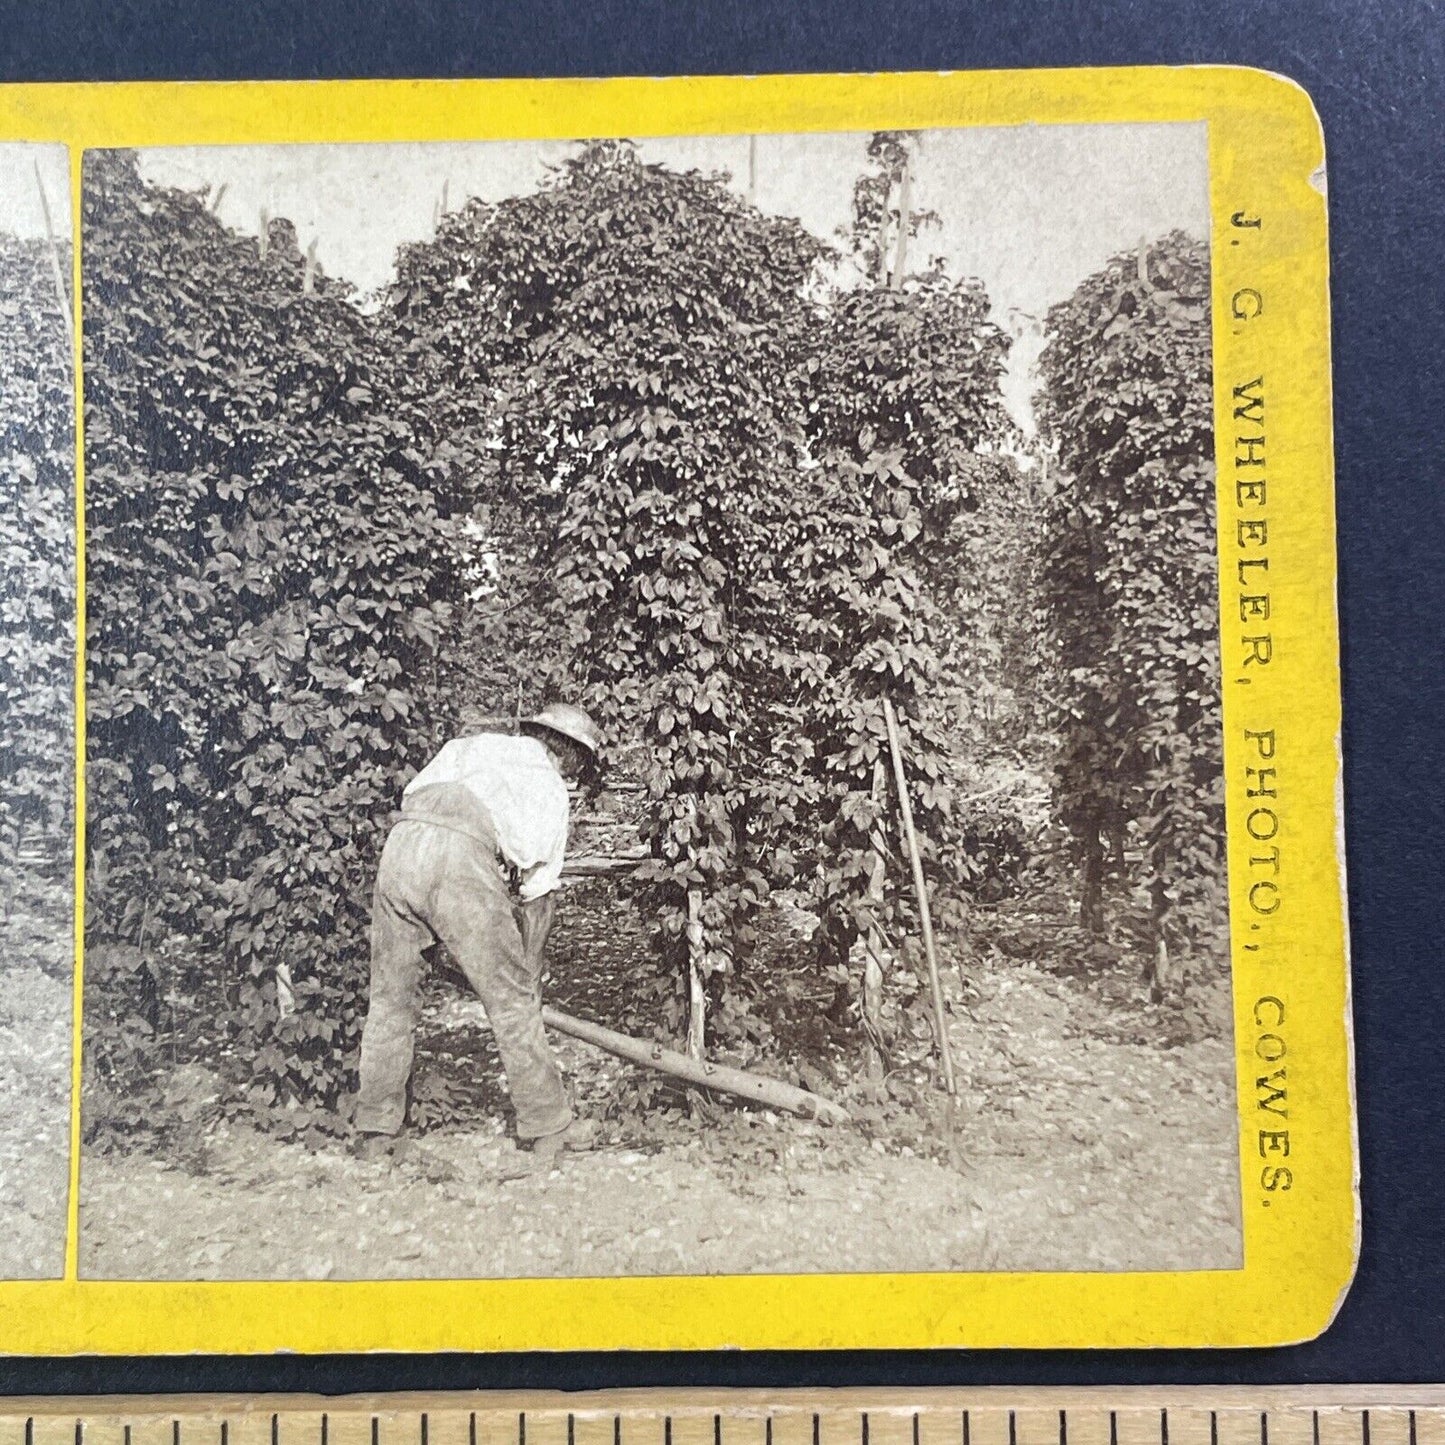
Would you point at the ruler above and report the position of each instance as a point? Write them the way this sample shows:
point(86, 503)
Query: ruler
point(1163, 1415)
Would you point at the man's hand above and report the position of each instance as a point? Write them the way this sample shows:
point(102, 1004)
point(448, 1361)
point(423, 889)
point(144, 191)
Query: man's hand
point(536, 923)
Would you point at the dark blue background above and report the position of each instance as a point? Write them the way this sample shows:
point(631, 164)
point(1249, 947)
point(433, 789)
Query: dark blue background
point(1375, 72)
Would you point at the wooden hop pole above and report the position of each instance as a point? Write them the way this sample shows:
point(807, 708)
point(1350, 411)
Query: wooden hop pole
point(905, 208)
point(921, 888)
point(698, 1072)
point(873, 941)
point(696, 998)
point(883, 233)
point(62, 293)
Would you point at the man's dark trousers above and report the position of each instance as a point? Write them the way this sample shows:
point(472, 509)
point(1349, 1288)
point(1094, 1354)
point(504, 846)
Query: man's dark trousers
point(440, 877)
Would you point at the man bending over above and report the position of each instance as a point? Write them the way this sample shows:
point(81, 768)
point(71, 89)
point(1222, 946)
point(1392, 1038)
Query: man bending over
point(485, 811)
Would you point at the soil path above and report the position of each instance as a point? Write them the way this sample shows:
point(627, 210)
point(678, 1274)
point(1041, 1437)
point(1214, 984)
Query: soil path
point(35, 1004)
point(1081, 1146)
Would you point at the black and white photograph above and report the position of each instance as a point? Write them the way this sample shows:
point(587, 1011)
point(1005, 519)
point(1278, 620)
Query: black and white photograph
point(652, 708)
point(37, 694)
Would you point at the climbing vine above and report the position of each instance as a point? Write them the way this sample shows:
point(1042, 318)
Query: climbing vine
point(37, 551)
point(265, 528)
point(1131, 588)
point(740, 453)
point(629, 438)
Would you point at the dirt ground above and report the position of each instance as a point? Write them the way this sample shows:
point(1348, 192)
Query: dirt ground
point(35, 1004)
point(1088, 1137)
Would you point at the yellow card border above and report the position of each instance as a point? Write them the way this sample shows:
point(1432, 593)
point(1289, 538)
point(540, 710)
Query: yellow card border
point(1291, 985)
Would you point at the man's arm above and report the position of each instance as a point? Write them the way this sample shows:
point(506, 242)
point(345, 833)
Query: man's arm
point(536, 922)
point(538, 884)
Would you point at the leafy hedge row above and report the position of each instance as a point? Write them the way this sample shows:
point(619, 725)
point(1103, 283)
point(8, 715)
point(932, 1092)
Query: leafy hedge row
point(1131, 587)
point(37, 555)
point(742, 468)
point(271, 564)
point(625, 436)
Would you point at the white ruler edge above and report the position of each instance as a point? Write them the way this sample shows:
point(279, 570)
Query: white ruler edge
point(663, 1402)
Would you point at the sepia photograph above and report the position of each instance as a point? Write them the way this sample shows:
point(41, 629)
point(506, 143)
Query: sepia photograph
point(37, 694)
point(652, 708)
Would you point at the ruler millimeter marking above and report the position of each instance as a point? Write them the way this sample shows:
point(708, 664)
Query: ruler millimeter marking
point(1399, 1415)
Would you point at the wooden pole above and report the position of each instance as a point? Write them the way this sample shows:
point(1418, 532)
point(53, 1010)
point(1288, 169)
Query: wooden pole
point(905, 207)
point(883, 233)
point(699, 1073)
point(1156, 973)
point(873, 942)
point(696, 998)
point(62, 292)
point(921, 888)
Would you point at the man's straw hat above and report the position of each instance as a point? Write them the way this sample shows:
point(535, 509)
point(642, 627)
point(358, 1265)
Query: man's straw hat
point(571, 722)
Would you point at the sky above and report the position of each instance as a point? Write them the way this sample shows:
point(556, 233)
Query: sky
point(20, 209)
point(1028, 210)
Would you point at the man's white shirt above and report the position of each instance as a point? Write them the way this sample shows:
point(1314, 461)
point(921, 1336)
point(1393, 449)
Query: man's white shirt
point(514, 779)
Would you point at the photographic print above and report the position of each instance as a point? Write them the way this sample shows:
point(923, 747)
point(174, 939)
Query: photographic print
point(581, 630)
point(709, 716)
point(37, 692)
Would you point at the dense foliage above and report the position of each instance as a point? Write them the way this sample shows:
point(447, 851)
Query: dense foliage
point(271, 569)
point(740, 465)
point(905, 396)
point(629, 322)
point(628, 438)
point(37, 553)
point(1131, 590)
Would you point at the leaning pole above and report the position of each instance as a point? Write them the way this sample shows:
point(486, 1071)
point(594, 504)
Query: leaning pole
point(699, 1072)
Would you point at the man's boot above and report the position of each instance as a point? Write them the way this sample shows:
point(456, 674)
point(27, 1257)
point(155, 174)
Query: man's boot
point(578, 1137)
point(372, 1148)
